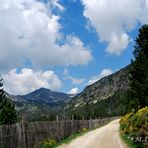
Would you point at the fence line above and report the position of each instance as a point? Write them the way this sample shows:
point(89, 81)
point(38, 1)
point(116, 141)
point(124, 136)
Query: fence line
point(29, 135)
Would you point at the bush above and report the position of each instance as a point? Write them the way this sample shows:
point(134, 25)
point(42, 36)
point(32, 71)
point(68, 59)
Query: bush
point(47, 143)
point(84, 130)
point(135, 125)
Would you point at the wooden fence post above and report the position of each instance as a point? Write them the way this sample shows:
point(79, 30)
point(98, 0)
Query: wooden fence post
point(24, 133)
point(57, 118)
point(83, 118)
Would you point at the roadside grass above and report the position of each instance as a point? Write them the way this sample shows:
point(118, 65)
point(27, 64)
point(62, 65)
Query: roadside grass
point(68, 139)
point(129, 142)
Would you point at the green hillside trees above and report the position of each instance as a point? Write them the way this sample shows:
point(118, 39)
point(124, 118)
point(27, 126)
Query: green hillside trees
point(139, 72)
point(7, 111)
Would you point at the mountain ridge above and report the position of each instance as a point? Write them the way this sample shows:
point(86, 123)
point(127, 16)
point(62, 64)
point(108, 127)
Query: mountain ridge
point(39, 103)
point(46, 96)
point(104, 97)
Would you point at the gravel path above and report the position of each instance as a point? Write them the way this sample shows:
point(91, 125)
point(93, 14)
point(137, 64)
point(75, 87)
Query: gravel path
point(104, 137)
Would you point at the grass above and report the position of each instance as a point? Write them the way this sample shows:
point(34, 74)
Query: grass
point(130, 143)
point(75, 135)
point(69, 138)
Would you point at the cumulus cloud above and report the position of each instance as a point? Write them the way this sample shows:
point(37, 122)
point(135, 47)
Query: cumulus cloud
point(104, 72)
point(55, 4)
point(114, 47)
point(28, 80)
point(74, 80)
point(113, 19)
point(73, 91)
point(30, 30)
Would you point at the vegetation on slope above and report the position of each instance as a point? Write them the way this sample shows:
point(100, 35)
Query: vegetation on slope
point(138, 91)
point(104, 98)
point(112, 106)
point(135, 123)
point(7, 111)
point(135, 126)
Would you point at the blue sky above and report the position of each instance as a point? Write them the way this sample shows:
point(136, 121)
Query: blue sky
point(66, 45)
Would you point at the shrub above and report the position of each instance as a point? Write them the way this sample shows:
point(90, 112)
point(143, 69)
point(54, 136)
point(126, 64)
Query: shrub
point(48, 143)
point(84, 130)
point(135, 125)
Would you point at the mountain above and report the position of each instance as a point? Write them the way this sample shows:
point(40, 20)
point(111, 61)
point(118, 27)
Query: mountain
point(106, 97)
point(47, 97)
point(39, 103)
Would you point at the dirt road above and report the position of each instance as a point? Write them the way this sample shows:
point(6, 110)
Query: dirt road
point(104, 137)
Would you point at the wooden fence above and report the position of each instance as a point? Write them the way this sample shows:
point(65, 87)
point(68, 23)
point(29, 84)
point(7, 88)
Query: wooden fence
point(29, 135)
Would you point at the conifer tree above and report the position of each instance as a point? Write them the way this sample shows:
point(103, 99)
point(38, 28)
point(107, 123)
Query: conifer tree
point(139, 71)
point(7, 111)
point(2, 94)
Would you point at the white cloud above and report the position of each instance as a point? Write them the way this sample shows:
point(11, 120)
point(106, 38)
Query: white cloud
point(113, 19)
point(55, 4)
point(114, 47)
point(73, 91)
point(29, 29)
point(28, 80)
point(104, 72)
point(74, 80)
point(147, 3)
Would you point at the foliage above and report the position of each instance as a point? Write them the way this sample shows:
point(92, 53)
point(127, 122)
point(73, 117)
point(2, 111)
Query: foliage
point(135, 125)
point(2, 94)
point(105, 98)
point(47, 143)
point(84, 130)
point(138, 92)
point(113, 106)
point(130, 143)
point(68, 139)
point(7, 111)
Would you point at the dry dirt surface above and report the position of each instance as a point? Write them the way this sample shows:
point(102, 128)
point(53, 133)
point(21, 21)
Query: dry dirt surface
point(104, 137)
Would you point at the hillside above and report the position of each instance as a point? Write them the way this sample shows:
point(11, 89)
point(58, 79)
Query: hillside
point(106, 97)
point(46, 96)
point(39, 103)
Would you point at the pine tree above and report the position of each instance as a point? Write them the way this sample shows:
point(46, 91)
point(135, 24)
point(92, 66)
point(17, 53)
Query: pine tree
point(7, 111)
point(139, 72)
point(2, 94)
